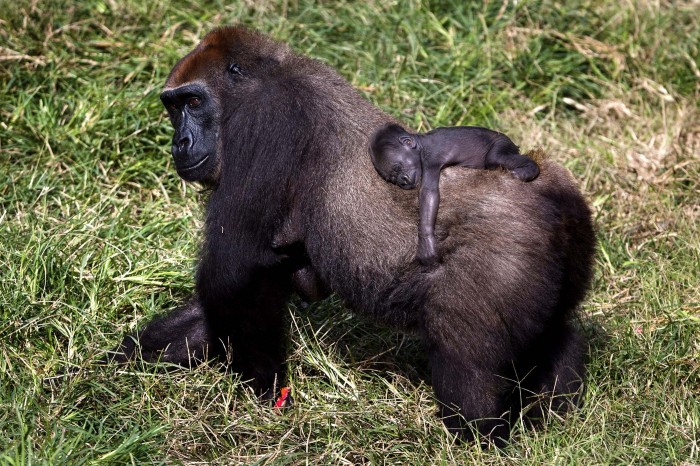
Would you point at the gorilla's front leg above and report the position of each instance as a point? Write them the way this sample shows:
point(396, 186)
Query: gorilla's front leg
point(250, 323)
point(183, 337)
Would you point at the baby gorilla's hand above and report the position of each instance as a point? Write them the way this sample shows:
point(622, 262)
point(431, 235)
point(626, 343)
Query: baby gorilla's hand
point(426, 253)
point(527, 172)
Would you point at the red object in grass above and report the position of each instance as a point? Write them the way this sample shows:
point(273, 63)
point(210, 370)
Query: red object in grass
point(283, 398)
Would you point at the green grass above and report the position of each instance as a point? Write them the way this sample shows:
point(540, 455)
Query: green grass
point(97, 233)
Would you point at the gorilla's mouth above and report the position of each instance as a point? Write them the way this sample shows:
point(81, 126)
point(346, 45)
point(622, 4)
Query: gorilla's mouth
point(194, 165)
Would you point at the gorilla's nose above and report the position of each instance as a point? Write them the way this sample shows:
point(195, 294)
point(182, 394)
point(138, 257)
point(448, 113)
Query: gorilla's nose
point(184, 144)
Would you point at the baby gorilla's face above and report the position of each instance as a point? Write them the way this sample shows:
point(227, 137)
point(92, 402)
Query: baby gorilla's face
point(396, 155)
point(404, 173)
point(400, 164)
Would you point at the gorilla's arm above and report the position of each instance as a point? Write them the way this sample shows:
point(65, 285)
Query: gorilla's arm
point(429, 201)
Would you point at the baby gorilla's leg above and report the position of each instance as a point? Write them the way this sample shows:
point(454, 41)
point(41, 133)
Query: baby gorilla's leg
point(528, 171)
point(505, 154)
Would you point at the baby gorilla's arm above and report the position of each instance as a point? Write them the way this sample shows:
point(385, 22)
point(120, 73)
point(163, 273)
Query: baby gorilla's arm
point(428, 203)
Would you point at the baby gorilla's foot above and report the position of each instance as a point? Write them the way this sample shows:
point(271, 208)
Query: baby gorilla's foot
point(527, 172)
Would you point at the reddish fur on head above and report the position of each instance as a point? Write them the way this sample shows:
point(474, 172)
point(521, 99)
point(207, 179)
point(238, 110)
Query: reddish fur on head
point(210, 58)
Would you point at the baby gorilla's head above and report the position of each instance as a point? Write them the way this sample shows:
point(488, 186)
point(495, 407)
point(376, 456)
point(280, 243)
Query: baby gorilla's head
point(396, 155)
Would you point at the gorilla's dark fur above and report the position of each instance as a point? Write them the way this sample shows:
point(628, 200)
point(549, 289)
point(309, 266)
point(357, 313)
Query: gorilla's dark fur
point(296, 205)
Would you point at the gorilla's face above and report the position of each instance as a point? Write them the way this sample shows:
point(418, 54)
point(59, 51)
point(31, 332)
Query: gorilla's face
point(194, 115)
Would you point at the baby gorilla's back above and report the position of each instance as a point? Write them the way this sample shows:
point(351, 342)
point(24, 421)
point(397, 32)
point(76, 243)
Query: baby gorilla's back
point(477, 147)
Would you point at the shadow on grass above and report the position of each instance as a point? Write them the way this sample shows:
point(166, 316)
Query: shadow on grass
point(366, 346)
point(361, 343)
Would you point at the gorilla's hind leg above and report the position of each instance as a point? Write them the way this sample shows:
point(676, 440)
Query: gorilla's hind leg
point(472, 398)
point(554, 383)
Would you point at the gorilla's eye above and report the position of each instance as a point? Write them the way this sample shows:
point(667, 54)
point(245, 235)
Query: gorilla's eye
point(194, 102)
point(172, 108)
point(235, 68)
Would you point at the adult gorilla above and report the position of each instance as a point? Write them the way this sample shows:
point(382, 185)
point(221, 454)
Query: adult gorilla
point(296, 205)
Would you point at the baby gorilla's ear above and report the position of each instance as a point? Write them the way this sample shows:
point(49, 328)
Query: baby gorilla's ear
point(408, 141)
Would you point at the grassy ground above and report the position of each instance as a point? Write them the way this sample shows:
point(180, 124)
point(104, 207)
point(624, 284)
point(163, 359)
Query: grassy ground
point(97, 234)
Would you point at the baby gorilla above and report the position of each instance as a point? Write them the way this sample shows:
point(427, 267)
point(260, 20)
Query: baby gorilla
point(406, 160)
